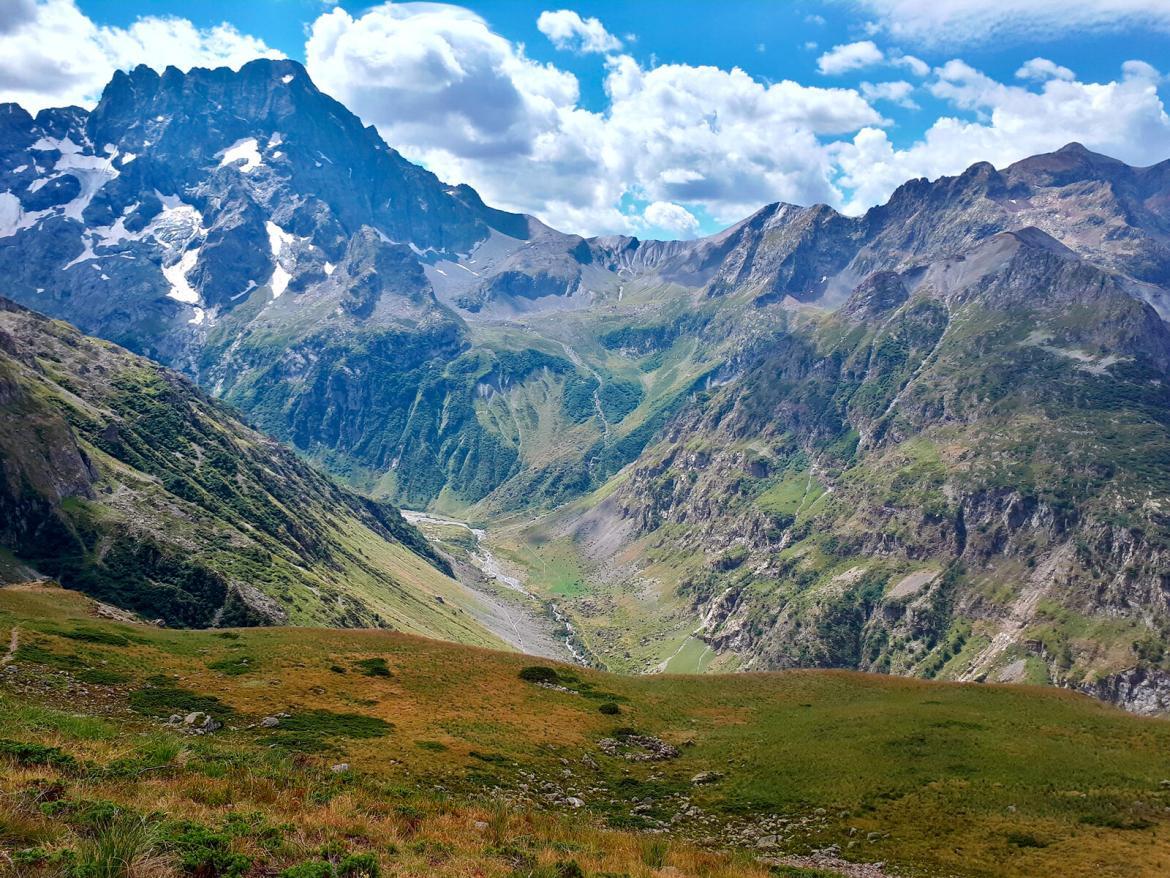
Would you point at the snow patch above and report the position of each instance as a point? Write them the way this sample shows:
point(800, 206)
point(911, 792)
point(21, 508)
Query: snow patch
point(13, 217)
point(329, 266)
point(245, 150)
point(176, 275)
point(279, 282)
point(128, 157)
point(287, 78)
point(278, 239)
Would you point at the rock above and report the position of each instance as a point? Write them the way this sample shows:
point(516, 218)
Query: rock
point(574, 802)
point(767, 841)
point(638, 748)
point(269, 722)
point(481, 825)
point(200, 723)
point(706, 777)
point(339, 768)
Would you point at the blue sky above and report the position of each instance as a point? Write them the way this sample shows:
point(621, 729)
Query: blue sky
point(662, 118)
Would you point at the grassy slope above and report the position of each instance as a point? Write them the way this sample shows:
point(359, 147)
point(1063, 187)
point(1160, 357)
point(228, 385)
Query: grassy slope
point(175, 474)
point(931, 778)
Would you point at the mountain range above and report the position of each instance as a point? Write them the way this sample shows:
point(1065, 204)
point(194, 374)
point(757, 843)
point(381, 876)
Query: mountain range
point(930, 440)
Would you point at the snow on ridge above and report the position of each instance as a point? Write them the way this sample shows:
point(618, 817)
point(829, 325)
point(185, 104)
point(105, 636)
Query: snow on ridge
point(246, 149)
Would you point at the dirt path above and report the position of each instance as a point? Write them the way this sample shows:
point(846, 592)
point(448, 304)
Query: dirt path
point(13, 646)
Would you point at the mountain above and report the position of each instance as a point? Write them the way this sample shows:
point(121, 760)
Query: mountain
point(962, 472)
point(123, 480)
point(930, 440)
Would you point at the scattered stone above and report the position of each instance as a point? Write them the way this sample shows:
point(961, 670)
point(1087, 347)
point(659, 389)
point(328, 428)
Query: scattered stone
point(574, 802)
point(706, 777)
point(339, 768)
point(767, 841)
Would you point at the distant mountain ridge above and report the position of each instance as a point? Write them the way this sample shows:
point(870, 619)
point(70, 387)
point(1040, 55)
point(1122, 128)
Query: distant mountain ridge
point(931, 439)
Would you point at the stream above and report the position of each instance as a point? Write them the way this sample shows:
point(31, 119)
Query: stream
point(487, 563)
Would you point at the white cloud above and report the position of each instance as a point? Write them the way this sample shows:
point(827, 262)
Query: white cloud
point(672, 218)
point(915, 65)
point(446, 90)
point(568, 30)
point(955, 22)
point(897, 92)
point(51, 54)
point(1040, 69)
point(1124, 118)
point(850, 56)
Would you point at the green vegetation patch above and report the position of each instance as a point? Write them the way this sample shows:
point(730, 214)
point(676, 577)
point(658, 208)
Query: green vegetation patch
point(36, 754)
point(373, 667)
point(163, 699)
point(234, 666)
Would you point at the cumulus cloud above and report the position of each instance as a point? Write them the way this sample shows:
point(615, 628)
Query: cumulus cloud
point(1124, 118)
point(1040, 69)
point(915, 65)
point(954, 22)
point(52, 54)
point(568, 30)
point(897, 92)
point(671, 217)
point(850, 56)
point(447, 91)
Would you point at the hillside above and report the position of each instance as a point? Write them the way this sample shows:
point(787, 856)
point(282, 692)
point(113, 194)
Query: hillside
point(379, 752)
point(123, 480)
point(930, 440)
point(962, 472)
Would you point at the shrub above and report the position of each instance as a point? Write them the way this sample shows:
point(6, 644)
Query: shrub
point(309, 870)
point(359, 866)
point(36, 754)
point(207, 854)
point(539, 674)
point(1025, 840)
point(164, 699)
point(609, 708)
point(374, 667)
